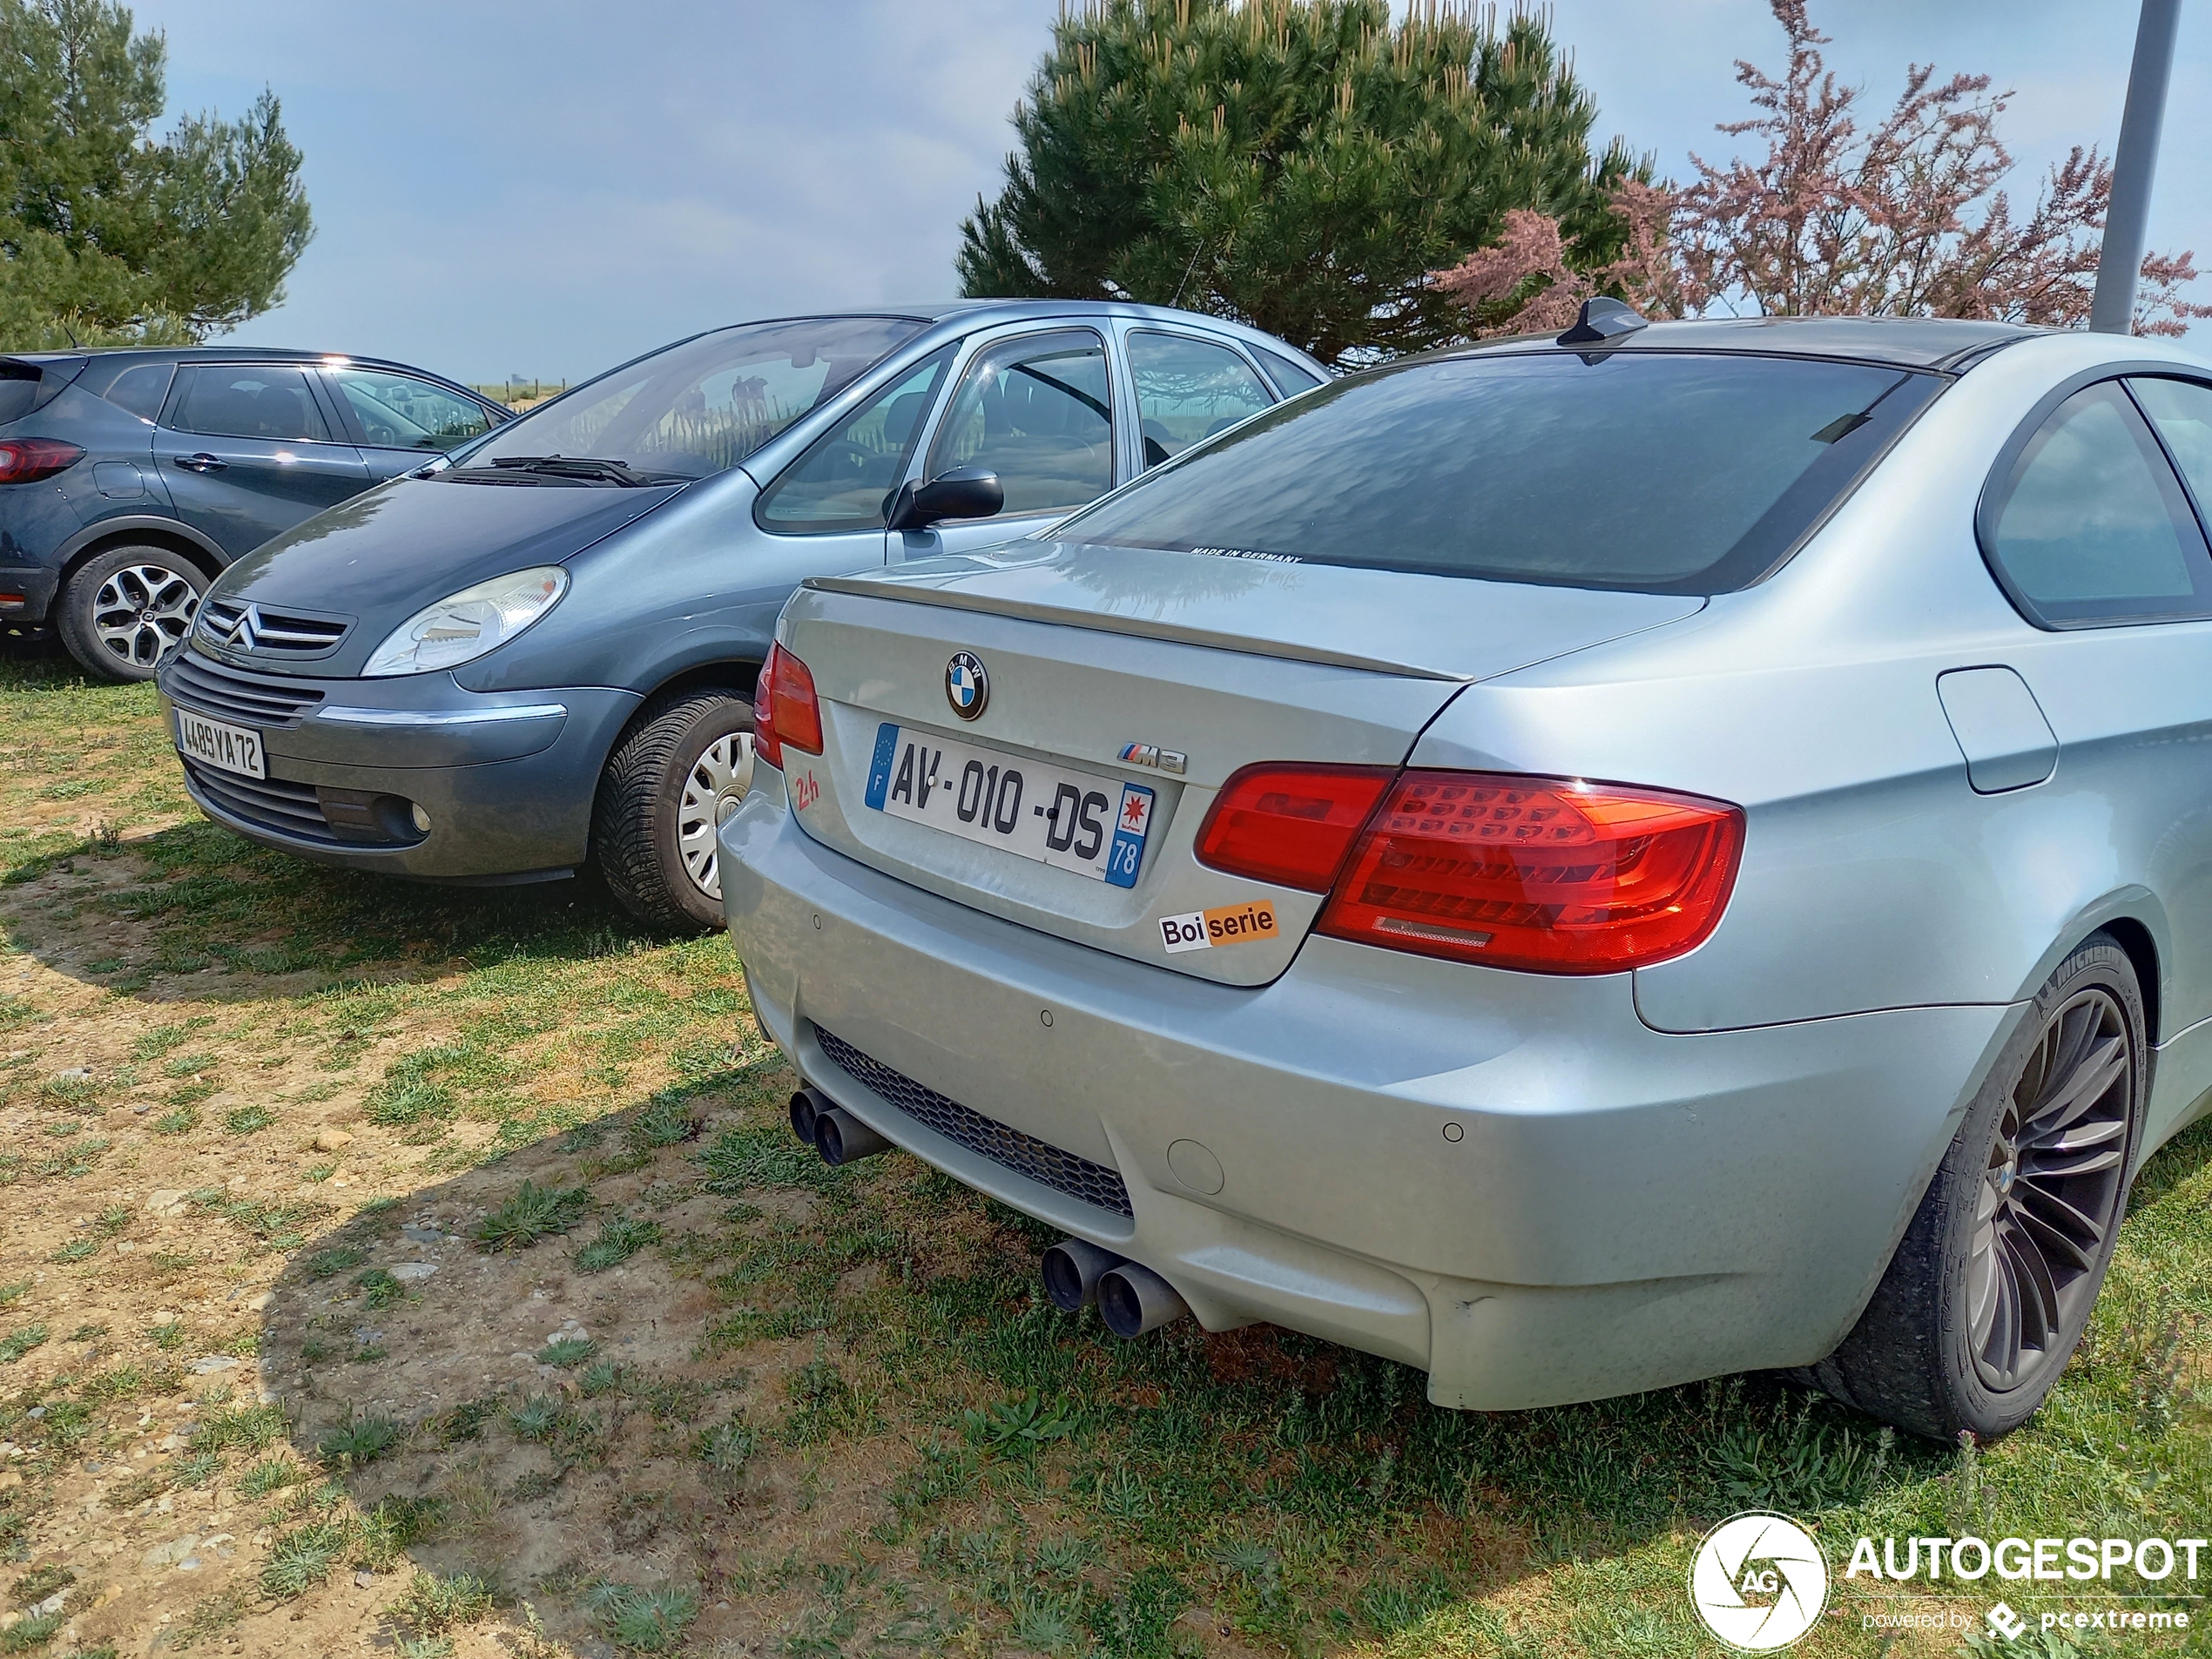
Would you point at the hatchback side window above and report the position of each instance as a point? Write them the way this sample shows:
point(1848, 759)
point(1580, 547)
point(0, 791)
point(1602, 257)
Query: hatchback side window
point(841, 483)
point(1037, 411)
point(140, 388)
point(399, 411)
point(2090, 525)
point(229, 401)
point(1189, 390)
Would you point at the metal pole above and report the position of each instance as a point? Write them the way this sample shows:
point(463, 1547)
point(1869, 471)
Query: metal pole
point(2127, 222)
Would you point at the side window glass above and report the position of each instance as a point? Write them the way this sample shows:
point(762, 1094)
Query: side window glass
point(399, 411)
point(1189, 390)
point(2182, 410)
point(1291, 377)
point(1038, 413)
point(140, 389)
point(2092, 526)
point(242, 402)
point(840, 483)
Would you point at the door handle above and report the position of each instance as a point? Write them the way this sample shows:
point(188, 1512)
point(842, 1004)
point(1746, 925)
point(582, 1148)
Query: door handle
point(201, 462)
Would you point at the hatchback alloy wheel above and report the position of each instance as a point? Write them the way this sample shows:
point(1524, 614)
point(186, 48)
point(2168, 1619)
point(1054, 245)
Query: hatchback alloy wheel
point(712, 788)
point(141, 611)
point(2051, 1194)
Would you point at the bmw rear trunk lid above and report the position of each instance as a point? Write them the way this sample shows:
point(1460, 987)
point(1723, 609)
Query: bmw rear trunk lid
point(1037, 731)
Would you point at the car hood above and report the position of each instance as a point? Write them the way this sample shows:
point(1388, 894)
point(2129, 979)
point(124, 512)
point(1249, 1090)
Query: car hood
point(1446, 627)
point(375, 561)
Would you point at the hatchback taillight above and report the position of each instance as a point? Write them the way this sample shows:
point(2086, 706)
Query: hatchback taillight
point(784, 709)
point(1538, 873)
point(26, 461)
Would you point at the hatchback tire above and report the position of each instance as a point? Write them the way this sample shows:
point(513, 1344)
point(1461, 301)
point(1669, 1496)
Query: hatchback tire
point(122, 611)
point(1992, 1286)
point(678, 772)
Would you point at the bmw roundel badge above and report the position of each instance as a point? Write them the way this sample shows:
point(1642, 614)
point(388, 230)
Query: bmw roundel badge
point(968, 688)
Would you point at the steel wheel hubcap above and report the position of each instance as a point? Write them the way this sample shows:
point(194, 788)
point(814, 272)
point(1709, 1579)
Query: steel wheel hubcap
point(141, 611)
point(712, 789)
point(2050, 1194)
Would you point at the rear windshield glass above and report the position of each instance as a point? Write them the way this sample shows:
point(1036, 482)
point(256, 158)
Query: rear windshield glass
point(19, 390)
point(1663, 473)
point(703, 406)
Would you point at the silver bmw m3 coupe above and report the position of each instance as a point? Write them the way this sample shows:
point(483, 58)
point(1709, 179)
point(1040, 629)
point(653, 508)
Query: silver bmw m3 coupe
point(1577, 865)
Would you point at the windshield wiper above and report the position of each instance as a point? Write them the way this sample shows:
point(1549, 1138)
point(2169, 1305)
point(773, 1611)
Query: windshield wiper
point(614, 472)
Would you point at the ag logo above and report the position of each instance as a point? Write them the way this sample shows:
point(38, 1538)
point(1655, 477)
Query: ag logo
point(968, 688)
point(1759, 1581)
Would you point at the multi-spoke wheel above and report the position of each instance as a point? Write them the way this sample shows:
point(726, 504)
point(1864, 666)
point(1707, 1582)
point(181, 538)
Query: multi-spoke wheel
point(712, 788)
point(678, 773)
point(1992, 1283)
point(2050, 1193)
point(121, 613)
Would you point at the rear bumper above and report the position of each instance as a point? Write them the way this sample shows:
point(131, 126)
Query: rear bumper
point(26, 593)
point(507, 782)
point(1507, 1179)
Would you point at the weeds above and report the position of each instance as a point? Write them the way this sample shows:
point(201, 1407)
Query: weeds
point(568, 1353)
point(533, 1213)
point(302, 1558)
point(646, 1620)
point(619, 1240)
point(20, 1341)
point(362, 1441)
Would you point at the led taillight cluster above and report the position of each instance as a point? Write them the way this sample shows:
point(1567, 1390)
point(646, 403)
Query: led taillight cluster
point(1546, 874)
point(26, 461)
point(784, 709)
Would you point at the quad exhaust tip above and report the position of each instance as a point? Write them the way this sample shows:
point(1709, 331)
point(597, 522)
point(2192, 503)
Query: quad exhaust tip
point(842, 1139)
point(1132, 1300)
point(1072, 1269)
point(805, 1107)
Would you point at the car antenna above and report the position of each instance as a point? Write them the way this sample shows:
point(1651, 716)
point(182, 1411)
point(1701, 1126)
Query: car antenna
point(71, 332)
point(1602, 321)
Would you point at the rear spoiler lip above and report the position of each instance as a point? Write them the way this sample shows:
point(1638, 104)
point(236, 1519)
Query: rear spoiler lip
point(867, 587)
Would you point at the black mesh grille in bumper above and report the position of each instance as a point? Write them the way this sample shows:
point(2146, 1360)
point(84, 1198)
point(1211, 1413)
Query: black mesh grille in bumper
point(1042, 1163)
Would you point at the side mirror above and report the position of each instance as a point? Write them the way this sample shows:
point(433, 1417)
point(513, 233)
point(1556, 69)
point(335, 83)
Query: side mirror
point(965, 492)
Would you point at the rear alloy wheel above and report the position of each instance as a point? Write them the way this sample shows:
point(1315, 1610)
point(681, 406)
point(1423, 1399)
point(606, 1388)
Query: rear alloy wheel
point(678, 773)
point(121, 613)
point(1992, 1283)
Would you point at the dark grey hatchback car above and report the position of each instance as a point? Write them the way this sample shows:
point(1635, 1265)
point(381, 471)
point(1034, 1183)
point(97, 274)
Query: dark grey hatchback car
point(129, 479)
point(541, 654)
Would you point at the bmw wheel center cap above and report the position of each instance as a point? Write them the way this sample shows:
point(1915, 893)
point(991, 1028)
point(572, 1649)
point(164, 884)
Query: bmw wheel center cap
point(968, 688)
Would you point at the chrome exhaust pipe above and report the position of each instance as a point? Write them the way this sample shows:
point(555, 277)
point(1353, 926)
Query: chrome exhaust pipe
point(1133, 1300)
point(842, 1139)
point(806, 1106)
point(1072, 1269)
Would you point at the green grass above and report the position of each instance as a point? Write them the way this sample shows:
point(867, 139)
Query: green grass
point(619, 1240)
point(644, 1620)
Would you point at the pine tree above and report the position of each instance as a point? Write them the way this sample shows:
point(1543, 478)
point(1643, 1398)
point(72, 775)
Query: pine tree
point(108, 235)
point(1300, 165)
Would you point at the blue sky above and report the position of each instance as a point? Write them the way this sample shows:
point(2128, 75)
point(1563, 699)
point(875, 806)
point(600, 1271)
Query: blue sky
point(546, 188)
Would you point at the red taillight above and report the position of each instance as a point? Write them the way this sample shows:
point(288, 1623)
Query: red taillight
point(1537, 873)
point(1290, 824)
point(784, 709)
point(26, 461)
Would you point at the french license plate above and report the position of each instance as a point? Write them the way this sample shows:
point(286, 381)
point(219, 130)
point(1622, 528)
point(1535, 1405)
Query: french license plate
point(1072, 820)
point(220, 744)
